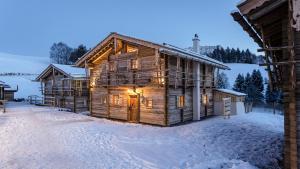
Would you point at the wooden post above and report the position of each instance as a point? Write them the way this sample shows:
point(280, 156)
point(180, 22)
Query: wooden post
point(166, 86)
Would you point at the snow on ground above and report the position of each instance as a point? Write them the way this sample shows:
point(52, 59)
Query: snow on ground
point(242, 68)
point(22, 64)
point(41, 137)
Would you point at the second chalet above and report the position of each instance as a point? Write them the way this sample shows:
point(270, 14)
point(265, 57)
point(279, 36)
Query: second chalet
point(64, 86)
point(144, 82)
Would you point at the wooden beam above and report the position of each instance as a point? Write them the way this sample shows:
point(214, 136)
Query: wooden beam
point(275, 48)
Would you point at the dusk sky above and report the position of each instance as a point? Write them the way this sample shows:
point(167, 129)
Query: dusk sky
point(30, 27)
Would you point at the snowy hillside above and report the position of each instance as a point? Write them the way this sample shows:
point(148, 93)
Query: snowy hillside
point(237, 68)
point(28, 66)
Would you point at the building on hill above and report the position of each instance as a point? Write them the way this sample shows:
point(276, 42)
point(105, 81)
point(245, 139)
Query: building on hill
point(65, 86)
point(275, 26)
point(144, 82)
point(6, 92)
point(203, 50)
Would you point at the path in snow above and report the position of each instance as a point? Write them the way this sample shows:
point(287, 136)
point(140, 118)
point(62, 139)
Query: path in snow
point(40, 137)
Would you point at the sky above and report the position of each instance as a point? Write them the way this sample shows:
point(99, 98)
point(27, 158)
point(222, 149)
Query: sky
point(30, 27)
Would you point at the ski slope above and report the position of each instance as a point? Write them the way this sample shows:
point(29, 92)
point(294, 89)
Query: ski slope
point(30, 65)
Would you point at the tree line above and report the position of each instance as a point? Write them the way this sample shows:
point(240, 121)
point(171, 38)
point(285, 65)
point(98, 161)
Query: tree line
point(231, 55)
point(61, 53)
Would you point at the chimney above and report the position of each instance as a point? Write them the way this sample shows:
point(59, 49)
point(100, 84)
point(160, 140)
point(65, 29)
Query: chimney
point(196, 44)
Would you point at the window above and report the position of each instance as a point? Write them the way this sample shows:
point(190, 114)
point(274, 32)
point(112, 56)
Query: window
point(149, 103)
point(180, 101)
point(112, 66)
point(116, 100)
point(103, 99)
point(131, 48)
point(205, 99)
point(134, 63)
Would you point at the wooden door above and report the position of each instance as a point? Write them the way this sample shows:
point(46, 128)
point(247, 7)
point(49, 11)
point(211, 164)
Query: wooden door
point(133, 108)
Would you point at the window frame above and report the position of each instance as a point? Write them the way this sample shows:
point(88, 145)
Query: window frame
point(180, 101)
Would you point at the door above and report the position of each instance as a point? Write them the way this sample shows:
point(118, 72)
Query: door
point(133, 108)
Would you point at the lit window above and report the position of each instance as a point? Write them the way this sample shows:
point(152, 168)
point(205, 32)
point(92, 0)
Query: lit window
point(131, 49)
point(149, 103)
point(112, 66)
point(116, 100)
point(134, 63)
point(205, 99)
point(180, 101)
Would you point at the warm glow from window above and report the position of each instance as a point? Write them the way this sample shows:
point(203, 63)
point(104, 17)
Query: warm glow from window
point(161, 80)
point(205, 99)
point(116, 100)
point(134, 63)
point(131, 48)
point(180, 101)
point(149, 103)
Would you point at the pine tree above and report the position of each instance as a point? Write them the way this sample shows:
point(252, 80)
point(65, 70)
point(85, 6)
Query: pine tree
point(222, 81)
point(257, 80)
point(239, 83)
point(77, 53)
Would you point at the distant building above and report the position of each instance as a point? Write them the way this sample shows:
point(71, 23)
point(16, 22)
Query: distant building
point(6, 92)
point(64, 86)
point(203, 50)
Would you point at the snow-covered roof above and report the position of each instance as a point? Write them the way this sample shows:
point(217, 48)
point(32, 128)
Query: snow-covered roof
point(166, 48)
point(69, 70)
point(192, 55)
point(231, 92)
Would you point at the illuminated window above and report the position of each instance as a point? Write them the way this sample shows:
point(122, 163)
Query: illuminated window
point(180, 101)
point(134, 63)
point(131, 48)
point(149, 103)
point(112, 66)
point(116, 100)
point(205, 99)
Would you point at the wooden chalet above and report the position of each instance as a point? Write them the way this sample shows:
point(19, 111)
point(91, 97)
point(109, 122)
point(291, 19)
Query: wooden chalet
point(144, 82)
point(64, 86)
point(6, 92)
point(275, 26)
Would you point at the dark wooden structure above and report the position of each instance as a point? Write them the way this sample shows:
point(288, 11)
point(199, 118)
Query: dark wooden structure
point(64, 86)
point(144, 82)
point(275, 26)
point(6, 92)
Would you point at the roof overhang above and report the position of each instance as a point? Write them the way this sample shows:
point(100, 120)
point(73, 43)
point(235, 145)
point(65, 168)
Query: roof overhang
point(46, 72)
point(162, 48)
point(193, 57)
point(112, 36)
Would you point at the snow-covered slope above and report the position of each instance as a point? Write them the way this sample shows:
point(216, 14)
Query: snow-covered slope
point(241, 68)
point(29, 65)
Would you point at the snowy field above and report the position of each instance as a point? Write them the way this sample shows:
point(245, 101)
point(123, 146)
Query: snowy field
point(39, 137)
point(32, 65)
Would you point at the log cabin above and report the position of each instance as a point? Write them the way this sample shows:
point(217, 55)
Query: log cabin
point(275, 26)
point(64, 86)
point(6, 92)
point(144, 82)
